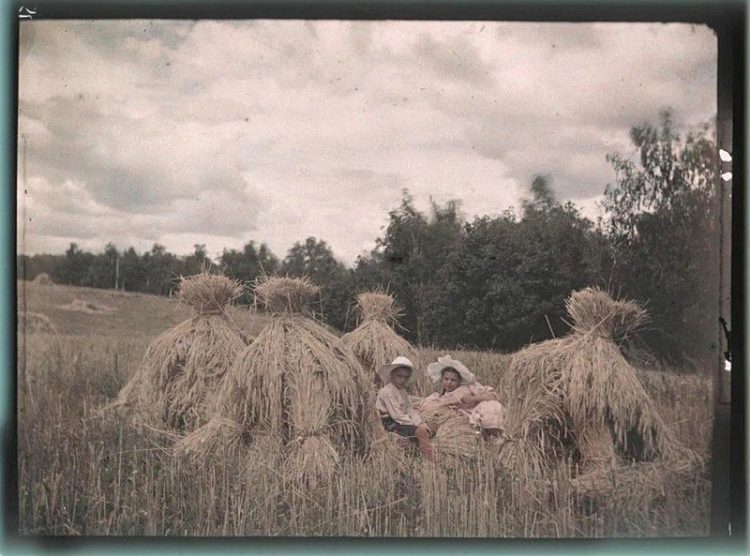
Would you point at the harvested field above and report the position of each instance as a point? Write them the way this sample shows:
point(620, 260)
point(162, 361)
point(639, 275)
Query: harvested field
point(81, 473)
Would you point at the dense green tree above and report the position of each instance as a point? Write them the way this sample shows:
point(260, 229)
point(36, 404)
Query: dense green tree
point(542, 195)
point(412, 250)
point(132, 271)
point(315, 260)
point(247, 265)
point(506, 285)
point(163, 270)
point(29, 266)
point(103, 269)
point(662, 224)
point(196, 262)
point(74, 268)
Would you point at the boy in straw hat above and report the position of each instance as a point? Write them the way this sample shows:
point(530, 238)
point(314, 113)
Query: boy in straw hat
point(394, 406)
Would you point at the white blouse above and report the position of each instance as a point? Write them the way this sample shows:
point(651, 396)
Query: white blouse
point(394, 402)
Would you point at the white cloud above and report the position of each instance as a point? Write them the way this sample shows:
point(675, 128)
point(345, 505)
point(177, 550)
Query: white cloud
point(220, 132)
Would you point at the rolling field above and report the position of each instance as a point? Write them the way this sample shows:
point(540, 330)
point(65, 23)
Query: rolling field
point(86, 473)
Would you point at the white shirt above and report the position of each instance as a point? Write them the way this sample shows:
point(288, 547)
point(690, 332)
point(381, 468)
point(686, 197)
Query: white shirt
point(394, 402)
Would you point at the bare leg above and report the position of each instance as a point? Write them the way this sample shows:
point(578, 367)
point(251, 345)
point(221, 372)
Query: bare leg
point(425, 445)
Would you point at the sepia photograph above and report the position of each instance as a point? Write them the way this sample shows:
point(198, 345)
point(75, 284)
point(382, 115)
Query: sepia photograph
point(370, 278)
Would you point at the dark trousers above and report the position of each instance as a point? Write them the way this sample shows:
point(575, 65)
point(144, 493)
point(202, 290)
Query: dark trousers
point(392, 426)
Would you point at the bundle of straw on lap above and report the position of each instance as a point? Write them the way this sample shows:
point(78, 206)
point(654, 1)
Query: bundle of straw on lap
point(296, 382)
point(435, 417)
point(456, 440)
point(183, 366)
point(579, 396)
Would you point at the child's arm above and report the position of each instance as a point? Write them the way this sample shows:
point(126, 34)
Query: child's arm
point(479, 393)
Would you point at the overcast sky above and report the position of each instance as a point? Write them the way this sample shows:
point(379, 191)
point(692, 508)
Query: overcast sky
point(219, 132)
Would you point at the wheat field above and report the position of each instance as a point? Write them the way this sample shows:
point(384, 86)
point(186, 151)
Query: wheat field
point(85, 473)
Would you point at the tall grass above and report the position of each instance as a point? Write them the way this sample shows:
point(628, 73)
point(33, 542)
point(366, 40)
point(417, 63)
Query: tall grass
point(85, 474)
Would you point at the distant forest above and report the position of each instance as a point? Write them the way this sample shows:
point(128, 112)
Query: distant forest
point(497, 282)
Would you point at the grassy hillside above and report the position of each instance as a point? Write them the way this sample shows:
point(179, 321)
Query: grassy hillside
point(88, 311)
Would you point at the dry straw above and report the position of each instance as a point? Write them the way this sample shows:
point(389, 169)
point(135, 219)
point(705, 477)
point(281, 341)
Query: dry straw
point(578, 396)
point(35, 323)
point(456, 440)
point(53, 350)
point(223, 438)
point(296, 382)
point(376, 343)
point(183, 366)
point(43, 279)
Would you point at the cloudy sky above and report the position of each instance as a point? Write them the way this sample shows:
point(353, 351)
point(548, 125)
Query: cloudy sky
point(220, 132)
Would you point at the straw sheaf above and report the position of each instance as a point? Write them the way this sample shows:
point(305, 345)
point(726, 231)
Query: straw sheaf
point(264, 384)
point(378, 306)
point(43, 279)
point(581, 387)
point(604, 390)
point(311, 460)
point(35, 323)
point(593, 310)
point(220, 437)
point(456, 441)
point(375, 344)
point(631, 484)
point(279, 294)
point(181, 369)
point(298, 383)
point(536, 421)
point(434, 417)
point(209, 293)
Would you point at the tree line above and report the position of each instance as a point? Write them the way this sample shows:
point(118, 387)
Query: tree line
point(497, 282)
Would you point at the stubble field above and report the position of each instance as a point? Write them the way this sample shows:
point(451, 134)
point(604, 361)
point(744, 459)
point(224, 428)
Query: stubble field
point(81, 472)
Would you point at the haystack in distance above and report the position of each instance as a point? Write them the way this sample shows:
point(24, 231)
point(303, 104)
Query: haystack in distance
point(578, 396)
point(296, 382)
point(43, 279)
point(183, 366)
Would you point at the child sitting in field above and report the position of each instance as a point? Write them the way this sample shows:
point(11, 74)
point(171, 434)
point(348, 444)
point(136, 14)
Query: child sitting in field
point(461, 392)
point(394, 406)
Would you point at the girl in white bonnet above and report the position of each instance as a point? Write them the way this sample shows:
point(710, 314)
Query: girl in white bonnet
point(460, 391)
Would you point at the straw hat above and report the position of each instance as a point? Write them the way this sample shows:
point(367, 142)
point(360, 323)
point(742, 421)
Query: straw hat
point(385, 371)
point(435, 370)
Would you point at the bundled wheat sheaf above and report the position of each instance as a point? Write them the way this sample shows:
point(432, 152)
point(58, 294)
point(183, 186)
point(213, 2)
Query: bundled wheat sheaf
point(43, 279)
point(376, 343)
point(183, 366)
point(579, 396)
point(296, 382)
point(456, 441)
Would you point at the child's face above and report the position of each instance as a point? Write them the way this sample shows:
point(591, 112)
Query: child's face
point(400, 376)
point(450, 380)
